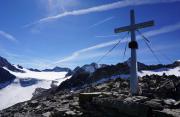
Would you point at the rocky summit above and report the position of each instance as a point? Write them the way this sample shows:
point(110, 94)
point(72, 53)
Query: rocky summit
point(159, 97)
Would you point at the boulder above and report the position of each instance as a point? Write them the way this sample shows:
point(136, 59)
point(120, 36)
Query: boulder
point(158, 113)
point(33, 103)
point(46, 114)
point(154, 104)
point(166, 90)
point(85, 98)
point(169, 102)
point(59, 112)
point(38, 92)
point(139, 99)
point(171, 112)
point(177, 104)
point(118, 107)
point(70, 113)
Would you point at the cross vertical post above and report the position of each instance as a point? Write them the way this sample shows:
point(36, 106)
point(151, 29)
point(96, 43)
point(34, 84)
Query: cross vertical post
point(133, 69)
point(133, 45)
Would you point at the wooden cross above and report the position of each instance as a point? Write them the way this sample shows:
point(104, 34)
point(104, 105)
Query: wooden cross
point(133, 45)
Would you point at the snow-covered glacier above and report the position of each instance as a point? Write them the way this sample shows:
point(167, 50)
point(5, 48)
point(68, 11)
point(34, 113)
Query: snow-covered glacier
point(22, 88)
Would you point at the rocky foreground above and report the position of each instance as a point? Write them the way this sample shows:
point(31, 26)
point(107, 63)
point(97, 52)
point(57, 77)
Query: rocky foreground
point(159, 97)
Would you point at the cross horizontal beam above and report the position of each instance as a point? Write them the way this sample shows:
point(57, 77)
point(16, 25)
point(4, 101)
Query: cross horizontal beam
point(134, 27)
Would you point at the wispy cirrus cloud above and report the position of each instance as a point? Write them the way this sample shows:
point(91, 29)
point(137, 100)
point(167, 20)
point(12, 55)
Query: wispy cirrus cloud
point(77, 54)
point(162, 30)
point(7, 36)
point(100, 8)
point(106, 36)
point(54, 6)
point(101, 22)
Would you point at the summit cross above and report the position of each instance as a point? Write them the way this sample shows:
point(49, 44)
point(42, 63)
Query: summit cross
point(133, 45)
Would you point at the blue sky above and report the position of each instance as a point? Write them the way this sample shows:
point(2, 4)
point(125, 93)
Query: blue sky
point(68, 33)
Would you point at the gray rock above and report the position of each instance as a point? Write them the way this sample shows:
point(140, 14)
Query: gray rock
point(72, 113)
point(139, 99)
point(177, 104)
point(154, 105)
point(166, 90)
point(169, 102)
point(18, 115)
point(172, 112)
point(38, 92)
point(59, 111)
point(64, 101)
point(157, 100)
point(118, 106)
point(47, 114)
point(102, 87)
point(158, 113)
point(87, 97)
point(33, 103)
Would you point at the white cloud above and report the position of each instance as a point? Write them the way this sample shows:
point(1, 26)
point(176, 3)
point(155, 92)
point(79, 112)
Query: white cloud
point(105, 7)
point(54, 7)
point(7, 36)
point(77, 54)
point(163, 30)
point(101, 22)
point(106, 36)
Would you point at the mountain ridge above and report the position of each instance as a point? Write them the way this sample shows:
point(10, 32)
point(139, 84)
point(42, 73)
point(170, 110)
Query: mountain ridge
point(59, 100)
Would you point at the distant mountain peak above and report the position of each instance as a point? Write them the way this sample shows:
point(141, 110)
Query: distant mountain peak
point(5, 63)
point(58, 69)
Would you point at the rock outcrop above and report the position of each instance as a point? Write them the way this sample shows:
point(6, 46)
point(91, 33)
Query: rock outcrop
point(5, 63)
point(5, 78)
point(58, 69)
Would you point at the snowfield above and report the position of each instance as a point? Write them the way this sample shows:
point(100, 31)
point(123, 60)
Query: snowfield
point(174, 71)
point(15, 92)
point(38, 75)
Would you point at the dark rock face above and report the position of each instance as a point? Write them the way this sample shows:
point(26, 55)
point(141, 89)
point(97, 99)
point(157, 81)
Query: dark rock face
point(36, 70)
point(58, 69)
point(69, 73)
point(88, 68)
point(28, 82)
point(20, 67)
point(75, 81)
point(38, 92)
point(5, 78)
point(5, 63)
point(105, 72)
point(159, 66)
point(81, 77)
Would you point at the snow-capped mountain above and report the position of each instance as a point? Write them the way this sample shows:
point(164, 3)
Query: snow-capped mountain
point(18, 84)
point(120, 70)
point(90, 67)
point(5, 63)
